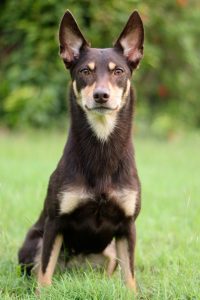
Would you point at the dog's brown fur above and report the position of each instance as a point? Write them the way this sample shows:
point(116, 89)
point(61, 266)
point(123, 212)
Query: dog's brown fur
point(94, 194)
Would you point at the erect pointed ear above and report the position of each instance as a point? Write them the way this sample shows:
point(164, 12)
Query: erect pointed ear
point(71, 39)
point(131, 40)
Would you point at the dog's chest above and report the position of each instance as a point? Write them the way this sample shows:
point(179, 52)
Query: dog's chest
point(72, 199)
point(89, 222)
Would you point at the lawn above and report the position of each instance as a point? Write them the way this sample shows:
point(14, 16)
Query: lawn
point(168, 228)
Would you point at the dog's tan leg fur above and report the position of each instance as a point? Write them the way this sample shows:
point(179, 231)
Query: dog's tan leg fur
point(123, 256)
point(111, 254)
point(45, 279)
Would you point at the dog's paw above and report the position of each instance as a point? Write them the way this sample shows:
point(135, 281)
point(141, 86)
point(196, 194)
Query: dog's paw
point(131, 284)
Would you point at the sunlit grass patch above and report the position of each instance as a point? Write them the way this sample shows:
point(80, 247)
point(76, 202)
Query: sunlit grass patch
point(168, 238)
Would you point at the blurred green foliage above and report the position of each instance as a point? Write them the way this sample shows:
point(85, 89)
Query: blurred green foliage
point(33, 82)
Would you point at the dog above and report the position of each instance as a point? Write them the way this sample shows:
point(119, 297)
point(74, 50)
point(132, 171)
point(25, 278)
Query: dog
point(93, 196)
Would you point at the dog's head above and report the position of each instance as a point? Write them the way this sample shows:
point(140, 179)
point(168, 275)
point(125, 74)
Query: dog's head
point(101, 77)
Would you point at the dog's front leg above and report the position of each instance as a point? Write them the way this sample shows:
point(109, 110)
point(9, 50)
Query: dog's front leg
point(52, 242)
point(125, 246)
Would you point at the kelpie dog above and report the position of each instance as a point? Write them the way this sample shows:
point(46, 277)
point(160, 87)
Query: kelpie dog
point(93, 196)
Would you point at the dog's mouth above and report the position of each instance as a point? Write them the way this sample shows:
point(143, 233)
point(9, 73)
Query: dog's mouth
point(101, 109)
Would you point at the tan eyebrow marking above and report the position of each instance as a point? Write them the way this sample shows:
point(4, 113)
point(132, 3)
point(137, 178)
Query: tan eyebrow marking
point(91, 65)
point(111, 66)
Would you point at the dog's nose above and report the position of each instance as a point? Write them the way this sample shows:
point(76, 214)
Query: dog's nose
point(101, 95)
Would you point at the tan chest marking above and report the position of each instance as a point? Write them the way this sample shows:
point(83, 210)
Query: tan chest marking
point(71, 199)
point(126, 199)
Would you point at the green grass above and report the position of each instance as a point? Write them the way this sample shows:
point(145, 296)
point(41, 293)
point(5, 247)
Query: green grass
point(168, 228)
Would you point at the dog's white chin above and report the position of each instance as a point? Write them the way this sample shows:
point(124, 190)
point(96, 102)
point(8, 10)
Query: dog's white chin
point(102, 123)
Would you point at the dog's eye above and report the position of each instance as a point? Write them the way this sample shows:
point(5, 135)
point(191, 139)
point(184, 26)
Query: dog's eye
point(85, 71)
point(118, 71)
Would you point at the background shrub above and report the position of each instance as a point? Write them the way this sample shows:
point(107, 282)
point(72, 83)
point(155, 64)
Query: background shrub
point(33, 82)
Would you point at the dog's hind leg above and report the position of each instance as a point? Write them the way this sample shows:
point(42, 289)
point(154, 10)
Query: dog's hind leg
point(51, 245)
point(31, 248)
point(111, 254)
point(125, 246)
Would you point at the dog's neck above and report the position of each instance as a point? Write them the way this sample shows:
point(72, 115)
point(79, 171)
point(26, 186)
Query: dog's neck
point(100, 160)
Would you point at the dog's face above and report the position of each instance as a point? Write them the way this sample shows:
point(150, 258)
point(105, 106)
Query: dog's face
point(101, 77)
point(101, 81)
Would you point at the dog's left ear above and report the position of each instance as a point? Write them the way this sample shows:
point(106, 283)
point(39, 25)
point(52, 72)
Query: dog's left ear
point(71, 39)
point(131, 40)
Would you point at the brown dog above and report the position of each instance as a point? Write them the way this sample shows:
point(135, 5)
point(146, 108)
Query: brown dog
point(93, 196)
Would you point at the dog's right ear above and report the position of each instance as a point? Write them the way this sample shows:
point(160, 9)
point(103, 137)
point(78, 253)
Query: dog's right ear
point(71, 39)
